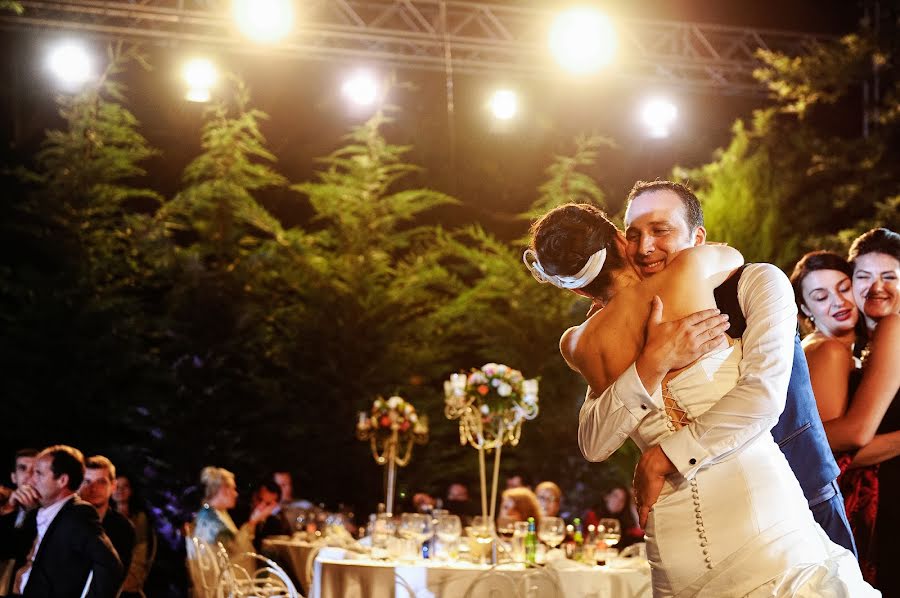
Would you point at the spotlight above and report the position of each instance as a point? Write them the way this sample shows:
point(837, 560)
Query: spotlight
point(504, 104)
point(582, 40)
point(361, 89)
point(201, 75)
point(658, 115)
point(264, 21)
point(71, 64)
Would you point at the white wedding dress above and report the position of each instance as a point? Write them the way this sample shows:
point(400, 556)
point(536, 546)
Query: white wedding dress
point(741, 526)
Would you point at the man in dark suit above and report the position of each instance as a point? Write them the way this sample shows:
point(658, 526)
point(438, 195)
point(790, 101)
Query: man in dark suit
point(61, 545)
point(97, 488)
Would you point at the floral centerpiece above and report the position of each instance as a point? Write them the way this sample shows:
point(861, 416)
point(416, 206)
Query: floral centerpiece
point(392, 426)
point(389, 415)
point(491, 403)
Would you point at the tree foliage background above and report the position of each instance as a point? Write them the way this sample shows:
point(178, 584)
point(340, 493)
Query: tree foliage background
point(807, 173)
point(173, 332)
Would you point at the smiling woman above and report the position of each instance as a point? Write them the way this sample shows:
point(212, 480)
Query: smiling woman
point(876, 267)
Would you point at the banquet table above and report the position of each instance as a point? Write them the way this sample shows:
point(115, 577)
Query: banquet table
point(365, 578)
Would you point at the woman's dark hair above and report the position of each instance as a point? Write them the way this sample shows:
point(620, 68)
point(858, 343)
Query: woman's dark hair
point(625, 516)
point(877, 240)
point(565, 237)
point(812, 261)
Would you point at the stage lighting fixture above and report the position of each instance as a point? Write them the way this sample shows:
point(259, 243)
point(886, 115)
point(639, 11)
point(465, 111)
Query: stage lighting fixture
point(504, 104)
point(582, 40)
point(658, 115)
point(201, 75)
point(264, 21)
point(71, 64)
point(361, 89)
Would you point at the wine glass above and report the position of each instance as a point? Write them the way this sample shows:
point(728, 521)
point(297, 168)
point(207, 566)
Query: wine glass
point(482, 531)
point(611, 531)
point(416, 526)
point(552, 531)
point(448, 529)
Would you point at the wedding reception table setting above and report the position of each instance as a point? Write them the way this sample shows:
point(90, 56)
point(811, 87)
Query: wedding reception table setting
point(438, 554)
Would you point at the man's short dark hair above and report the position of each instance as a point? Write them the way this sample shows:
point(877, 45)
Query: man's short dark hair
point(24, 453)
point(693, 213)
point(101, 462)
point(65, 460)
point(271, 486)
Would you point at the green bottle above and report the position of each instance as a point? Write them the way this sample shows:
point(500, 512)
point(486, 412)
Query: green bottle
point(579, 540)
point(531, 543)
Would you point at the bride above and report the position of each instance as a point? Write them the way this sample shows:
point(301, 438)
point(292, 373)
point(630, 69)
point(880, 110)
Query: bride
point(740, 526)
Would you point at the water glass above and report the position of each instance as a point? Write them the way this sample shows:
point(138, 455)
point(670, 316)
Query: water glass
point(448, 530)
point(552, 531)
point(520, 530)
point(610, 531)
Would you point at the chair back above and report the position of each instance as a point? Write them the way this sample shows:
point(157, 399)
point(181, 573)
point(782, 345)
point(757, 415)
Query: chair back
point(251, 575)
point(492, 584)
point(204, 568)
point(540, 582)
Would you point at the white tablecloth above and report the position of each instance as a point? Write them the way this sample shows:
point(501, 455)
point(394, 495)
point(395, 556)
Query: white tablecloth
point(339, 578)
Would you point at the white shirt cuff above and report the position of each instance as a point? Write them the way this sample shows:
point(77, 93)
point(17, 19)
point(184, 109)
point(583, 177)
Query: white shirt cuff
point(685, 452)
point(634, 397)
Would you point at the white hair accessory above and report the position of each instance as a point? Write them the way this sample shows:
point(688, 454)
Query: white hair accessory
point(584, 277)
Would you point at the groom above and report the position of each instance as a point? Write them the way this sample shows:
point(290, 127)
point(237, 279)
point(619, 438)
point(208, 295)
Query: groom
point(662, 218)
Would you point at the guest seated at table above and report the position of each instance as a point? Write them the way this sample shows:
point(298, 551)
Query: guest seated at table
point(290, 506)
point(213, 523)
point(549, 497)
point(128, 504)
point(518, 504)
point(459, 503)
point(423, 502)
point(518, 480)
point(268, 495)
point(618, 503)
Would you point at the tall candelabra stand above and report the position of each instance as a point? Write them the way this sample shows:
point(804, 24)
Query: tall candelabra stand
point(392, 426)
point(491, 404)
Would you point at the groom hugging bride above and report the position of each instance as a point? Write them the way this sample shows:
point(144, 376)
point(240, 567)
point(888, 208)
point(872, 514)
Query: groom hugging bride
point(695, 356)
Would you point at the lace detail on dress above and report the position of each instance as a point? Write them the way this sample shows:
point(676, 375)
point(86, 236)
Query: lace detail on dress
point(678, 417)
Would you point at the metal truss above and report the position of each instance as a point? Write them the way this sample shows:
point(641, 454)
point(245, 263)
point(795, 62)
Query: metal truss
point(441, 35)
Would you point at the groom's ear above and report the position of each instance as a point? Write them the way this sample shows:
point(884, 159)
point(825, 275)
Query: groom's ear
point(699, 236)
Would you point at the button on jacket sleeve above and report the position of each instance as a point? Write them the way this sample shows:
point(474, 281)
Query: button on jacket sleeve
point(753, 406)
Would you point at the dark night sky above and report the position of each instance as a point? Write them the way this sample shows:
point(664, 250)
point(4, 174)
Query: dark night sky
point(497, 170)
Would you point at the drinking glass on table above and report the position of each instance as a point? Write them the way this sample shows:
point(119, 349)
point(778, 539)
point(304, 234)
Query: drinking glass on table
point(610, 531)
point(448, 530)
point(481, 534)
point(552, 531)
point(416, 526)
point(383, 530)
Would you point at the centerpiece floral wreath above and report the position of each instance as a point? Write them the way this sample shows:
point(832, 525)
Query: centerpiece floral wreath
point(392, 421)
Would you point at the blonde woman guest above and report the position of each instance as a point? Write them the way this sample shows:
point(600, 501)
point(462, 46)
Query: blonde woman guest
point(213, 524)
point(549, 497)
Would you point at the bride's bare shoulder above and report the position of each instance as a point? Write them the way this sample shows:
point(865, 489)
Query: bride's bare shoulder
point(569, 344)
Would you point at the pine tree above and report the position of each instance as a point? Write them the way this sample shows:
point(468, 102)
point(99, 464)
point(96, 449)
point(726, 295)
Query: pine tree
point(794, 179)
